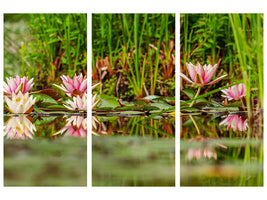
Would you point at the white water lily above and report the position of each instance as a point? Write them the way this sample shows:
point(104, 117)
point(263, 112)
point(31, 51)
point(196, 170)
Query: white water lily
point(78, 103)
point(19, 127)
point(20, 103)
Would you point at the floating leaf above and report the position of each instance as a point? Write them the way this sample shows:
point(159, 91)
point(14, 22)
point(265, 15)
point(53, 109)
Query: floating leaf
point(112, 103)
point(129, 108)
point(50, 92)
point(105, 97)
point(152, 97)
point(44, 98)
point(140, 102)
point(161, 106)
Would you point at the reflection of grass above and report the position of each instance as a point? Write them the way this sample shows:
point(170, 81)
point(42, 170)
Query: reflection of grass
point(239, 163)
point(60, 162)
point(133, 161)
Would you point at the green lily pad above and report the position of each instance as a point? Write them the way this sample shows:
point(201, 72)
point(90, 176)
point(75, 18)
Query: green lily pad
point(112, 103)
point(44, 98)
point(129, 108)
point(161, 106)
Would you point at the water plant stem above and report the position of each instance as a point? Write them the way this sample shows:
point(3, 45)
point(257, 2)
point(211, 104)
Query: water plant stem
point(195, 123)
point(198, 91)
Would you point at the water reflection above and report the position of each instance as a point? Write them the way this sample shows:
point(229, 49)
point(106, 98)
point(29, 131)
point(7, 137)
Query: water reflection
point(26, 126)
point(76, 126)
point(138, 126)
point(198, 153)
point(19, 127)
point(224, 153)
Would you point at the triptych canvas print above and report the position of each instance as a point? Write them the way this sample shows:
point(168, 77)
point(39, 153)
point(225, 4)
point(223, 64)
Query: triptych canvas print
point(150, 98)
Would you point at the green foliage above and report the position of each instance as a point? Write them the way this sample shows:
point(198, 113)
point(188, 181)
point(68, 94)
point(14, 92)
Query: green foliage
point(236, 39)
point(56, 44)
point(133, 45)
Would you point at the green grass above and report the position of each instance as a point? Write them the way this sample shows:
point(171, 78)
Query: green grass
point(135, 51)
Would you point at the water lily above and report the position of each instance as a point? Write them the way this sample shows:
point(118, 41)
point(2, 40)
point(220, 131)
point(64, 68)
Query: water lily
point(20, 103)
point(235, 92)
point(20, 127)
point(236, 122)
point(73, 87)
point(201, 75)
point(76, 126)
point(14, 85)
point(78, 103)
point(201, 153)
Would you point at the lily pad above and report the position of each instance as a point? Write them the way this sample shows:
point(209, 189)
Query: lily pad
point(44, 98)
point(112, 103)
point(161, 106)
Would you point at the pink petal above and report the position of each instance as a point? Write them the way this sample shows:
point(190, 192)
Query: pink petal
point(69, 86)
point(199, 69)
point(209, 74)
point(186, 78)
point(83, 86)
point(217, 79)
point(76, 83)
point(191, 70)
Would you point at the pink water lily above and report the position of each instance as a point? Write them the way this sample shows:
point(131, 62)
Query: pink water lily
point(235, 92)
point(14, 85)
point(73, 87)
point(201, 75)
point(236, 122)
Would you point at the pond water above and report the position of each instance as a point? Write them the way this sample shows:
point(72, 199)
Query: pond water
point(225, 151)
point(133, 151)
point(42, 150)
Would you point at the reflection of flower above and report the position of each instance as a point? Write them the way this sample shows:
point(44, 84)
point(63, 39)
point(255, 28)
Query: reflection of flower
point(236, 122)
point(235, 92)
point(20, 103)
point(78, 103)
point(14, 85)
point(76, 126)
point(201, 75)
point(20, 127)
point(73, 87)
point(201, 153)
point(207, 152)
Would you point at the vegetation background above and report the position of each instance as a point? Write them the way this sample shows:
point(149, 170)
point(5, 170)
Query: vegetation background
point(45, 46)
point(134, 54)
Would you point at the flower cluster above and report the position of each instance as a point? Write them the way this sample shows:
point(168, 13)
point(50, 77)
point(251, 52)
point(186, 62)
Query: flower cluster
point(18, 90)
